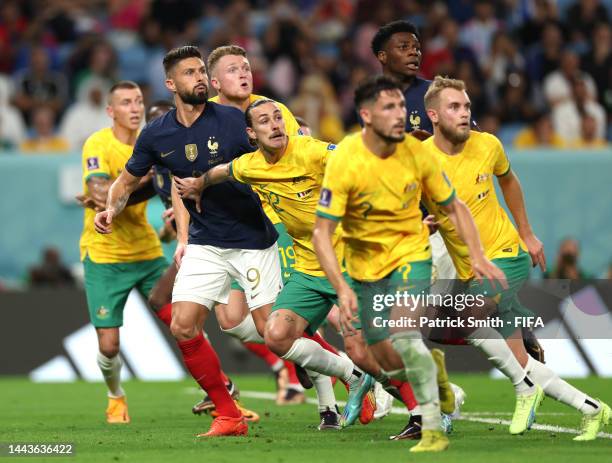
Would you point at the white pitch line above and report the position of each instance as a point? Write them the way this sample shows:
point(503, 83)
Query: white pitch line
point(474, 417)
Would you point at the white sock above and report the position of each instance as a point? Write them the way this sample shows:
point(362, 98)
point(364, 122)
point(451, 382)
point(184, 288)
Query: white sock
point(499, 354)
point(421, 372)
point(245, 331)
point(325, 390)
point(311, 356)
point(111, 370)
point(559, 389)
point(278, 366)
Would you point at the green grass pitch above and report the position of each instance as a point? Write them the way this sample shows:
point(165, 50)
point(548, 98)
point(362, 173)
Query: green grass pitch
point(163, 428)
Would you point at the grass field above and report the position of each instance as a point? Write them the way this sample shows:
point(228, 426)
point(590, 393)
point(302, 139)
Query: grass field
point(163, 428)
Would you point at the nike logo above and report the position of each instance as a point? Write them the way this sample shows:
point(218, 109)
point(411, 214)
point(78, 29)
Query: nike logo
point(163, 155)
point(253, 296)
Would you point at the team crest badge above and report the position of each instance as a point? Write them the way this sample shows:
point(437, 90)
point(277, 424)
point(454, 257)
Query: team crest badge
point(102, 312)
point(213, 145)
point(415, 120)
point(191, 151)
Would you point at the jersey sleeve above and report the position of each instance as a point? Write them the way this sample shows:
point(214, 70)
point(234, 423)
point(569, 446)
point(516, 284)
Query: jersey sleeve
point(94, 160)
point(436, 184)
point(335, 189)
point(502, 165)
point(238, 169)
point(143, 156)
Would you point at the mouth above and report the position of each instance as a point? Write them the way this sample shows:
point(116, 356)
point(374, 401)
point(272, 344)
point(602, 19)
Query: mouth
point(412, 65)
point(464, 125)
point(201, 87)
point(135, 120)
point(276, 136)
point(244, 85)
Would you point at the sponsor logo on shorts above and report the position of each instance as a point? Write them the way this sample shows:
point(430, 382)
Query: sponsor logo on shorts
point(93, 163)
point(325, 198)
point(102, 312)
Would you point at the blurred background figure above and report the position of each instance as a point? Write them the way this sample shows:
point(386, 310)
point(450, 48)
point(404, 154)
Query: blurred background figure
point(567, 264)
point(540, 133)
point(12, 126)
point(44, 138)
point(51, 272)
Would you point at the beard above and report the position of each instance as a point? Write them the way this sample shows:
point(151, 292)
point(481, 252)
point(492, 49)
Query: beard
point(389, 138)
point(193, 98)
point(453, 135)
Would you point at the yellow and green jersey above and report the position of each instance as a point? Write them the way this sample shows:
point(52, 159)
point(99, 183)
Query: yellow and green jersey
point(133, 238)
point(292, 186)
point(291, 127)
point(377, 201)
point(471, 172)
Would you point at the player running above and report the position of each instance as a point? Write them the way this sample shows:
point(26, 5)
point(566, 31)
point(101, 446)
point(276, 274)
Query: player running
point(288, 171)
point(471, 159)
point(232, 239)
point(130, 258)
point(372, 184)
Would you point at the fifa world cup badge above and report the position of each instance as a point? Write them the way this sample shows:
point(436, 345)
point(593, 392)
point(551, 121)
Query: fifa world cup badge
point(191, 151)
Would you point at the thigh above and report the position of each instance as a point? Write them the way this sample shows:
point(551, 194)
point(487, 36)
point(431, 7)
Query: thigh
point(303, 296)
point(162, 291)
point(151, 272)
point(107, 287)
point(189, 314)
point(258, 272)
point(235, 311)
point(203, 277)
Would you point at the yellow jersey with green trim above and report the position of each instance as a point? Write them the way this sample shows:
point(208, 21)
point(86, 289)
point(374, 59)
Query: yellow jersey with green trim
point(291, 127)
point(377, 201)
point(472, 171)
point(292, 186)
point(133, 238)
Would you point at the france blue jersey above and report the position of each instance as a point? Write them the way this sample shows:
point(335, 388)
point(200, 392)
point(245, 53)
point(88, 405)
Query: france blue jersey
point(232, 216)
point(161, 184)
point(416, 117)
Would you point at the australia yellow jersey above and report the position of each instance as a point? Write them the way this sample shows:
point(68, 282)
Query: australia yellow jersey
point(291, 127)
point(133, 238)
point(378, 202)
point(292, 187)
point(471, 173)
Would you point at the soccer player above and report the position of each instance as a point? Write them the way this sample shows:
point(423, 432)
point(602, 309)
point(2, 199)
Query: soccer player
point(115, 264)
point(372, 184)
point(471, 159)
point(232, 239)
point(290, 170)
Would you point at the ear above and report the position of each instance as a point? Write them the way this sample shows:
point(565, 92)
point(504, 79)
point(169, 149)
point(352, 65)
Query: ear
point(433, 115)
point(110, 112)
point(382, 57)
point(170, 85)
point(215, 83)
point(366, 116)
point(251, 134)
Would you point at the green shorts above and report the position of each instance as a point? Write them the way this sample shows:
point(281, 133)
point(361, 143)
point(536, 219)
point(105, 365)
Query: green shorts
point(412, 278)
point(309, 297)
point(107, 287)
point(285, 253)
point(516, 270)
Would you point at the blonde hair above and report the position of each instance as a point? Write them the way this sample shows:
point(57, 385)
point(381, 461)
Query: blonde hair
point(440, 83)
point(220, 52)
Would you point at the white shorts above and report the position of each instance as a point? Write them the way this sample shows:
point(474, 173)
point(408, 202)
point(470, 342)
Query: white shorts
point(442, 267)
point(206, 274)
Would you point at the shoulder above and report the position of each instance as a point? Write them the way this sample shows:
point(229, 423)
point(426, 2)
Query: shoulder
point(418, 88)
point(100, 137)
point(223, 111)
point(157, 125)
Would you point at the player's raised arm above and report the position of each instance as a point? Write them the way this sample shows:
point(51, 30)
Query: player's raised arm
point(192, 187)
point(181, 218)
point(117, 198)
point(513, 195)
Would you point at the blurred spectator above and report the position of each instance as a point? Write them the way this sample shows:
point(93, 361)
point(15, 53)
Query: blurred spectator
point(102, 65)
point(567, 266)
point(37, 85)
point(489, 123)
point(87, 114)
point(539, 134)
point(567, 116)
point(515, 104)
point(503, 60)
point(12, 128)
point(588, 134)
point(317, 103)
point(12, 28)
point(558, 84)
point(598, 63)
point(583, 16)
point(44, 139)
point(541, 14)
point(545, 57)
point(478, 32)
point(126, 14)
point(51, 272)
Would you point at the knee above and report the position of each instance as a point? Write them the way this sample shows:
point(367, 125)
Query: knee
point(109, 349)
point(278, 339)
point(181, 330)
point(157, 301)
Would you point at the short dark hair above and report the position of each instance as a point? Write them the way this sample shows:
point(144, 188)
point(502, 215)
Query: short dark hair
point(247, 113)
point(385, 32)
point(122, 84)
point(179, 54)
point(369, 89)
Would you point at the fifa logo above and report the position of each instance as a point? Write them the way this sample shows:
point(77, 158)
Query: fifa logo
point(191, 152)
point(213, 145)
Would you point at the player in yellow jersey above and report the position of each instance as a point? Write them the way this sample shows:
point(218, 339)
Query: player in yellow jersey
point(129, 258)
point(232, 78)
point(471, 160)
point(373, 184)
point(287, 171)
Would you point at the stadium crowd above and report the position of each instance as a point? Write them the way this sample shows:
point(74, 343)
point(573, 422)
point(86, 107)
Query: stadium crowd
point(538, 71)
